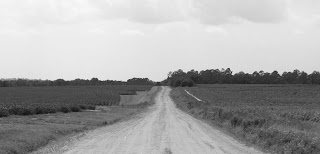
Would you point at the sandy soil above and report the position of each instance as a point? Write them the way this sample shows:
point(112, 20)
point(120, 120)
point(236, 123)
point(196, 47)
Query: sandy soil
point(162, 129)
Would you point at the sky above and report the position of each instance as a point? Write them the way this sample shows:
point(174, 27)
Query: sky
point(121, 39)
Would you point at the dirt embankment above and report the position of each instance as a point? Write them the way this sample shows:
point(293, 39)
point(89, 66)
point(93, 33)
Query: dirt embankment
point(161, 129)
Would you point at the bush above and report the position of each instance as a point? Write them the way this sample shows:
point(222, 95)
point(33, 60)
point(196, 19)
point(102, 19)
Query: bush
point(25, 111)
point(39, 110)
point(180, 79)
point(4, 113)
point(83, 107)
point(181, 82)
point(236, 121)
point(65, 109)
point(253, 123)
point(91, 107)
point(14, 110)
point(49, 110)
point(20, 111)
point(75, 109)
point(225, 115)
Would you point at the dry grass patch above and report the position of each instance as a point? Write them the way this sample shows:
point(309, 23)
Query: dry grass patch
point(23, 134)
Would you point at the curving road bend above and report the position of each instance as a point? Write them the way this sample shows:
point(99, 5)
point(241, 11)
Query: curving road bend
point(162, 129)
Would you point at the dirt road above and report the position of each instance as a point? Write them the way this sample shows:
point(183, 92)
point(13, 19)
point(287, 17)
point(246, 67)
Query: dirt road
point(162, 129)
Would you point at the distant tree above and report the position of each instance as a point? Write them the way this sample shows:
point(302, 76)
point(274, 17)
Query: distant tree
point(211, 76)
point(242, 78)
point(59, 82)
point(179, 79)
point(194, 75)
point(275, 77)
point(256, 77)
point(21, 82)
point(94, 81)
point(4, 84)
point(302, 78)
point(314, 77)
point(140, 81)
point(206, 77)
point(290, 77)
point(226, 75)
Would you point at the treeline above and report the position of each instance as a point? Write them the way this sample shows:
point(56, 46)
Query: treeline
point(76, 82)
point(139, 81)
point(226, 76)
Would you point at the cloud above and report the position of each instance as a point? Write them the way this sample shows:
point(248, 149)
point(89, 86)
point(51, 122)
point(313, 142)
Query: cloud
point(205, 11)
point(38, 12)
point(301, 23)
point(212, 12)
point(142, 11)
point(225, 11)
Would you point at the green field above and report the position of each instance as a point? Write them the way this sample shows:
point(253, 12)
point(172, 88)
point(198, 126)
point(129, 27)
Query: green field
point(40, 100)
point(277, 118)
point(24, 134)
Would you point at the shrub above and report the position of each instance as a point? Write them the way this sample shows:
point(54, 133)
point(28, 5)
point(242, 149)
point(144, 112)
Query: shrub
point(236, 121)
point(14, 110)
point(253, 123)
point(226, 115)
point(39, 110)
point(65, 109)
point(180, 79)
point(83, 107)
point(49, 110)
point(259, 122)
point(26, 111)
point(4, 113)
point(192, 104)
point(91, 107)
point(181, 82)
point(75, 109)
point(20, 111)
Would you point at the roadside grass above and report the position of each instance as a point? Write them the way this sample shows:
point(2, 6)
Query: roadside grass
point(262, 116)
point(24, 134)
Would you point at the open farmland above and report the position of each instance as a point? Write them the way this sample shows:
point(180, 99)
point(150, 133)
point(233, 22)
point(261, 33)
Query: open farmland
point(39, 100)
point(24, 134)
point(277, 118)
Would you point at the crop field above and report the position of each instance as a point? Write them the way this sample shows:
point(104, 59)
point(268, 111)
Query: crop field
point(276, 118)
point(39, 100)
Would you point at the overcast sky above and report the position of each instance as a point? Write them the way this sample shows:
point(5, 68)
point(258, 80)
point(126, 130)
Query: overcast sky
point(121, 39)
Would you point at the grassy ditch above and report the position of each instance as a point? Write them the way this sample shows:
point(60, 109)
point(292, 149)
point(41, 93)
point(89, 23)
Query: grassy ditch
point(24, 134)
point(276, 128)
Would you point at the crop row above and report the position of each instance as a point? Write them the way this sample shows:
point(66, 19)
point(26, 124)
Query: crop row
point(41, 100)
point(281, 119)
